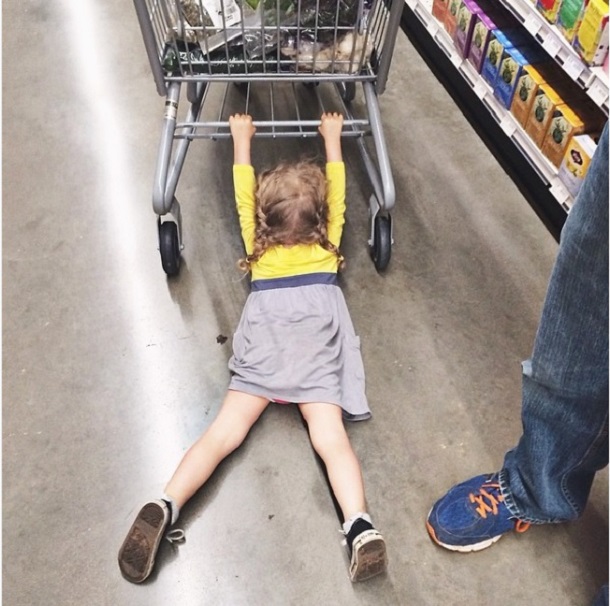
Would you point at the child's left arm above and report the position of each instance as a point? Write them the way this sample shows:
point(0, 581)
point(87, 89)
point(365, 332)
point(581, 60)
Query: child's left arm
point(242, 131)
point(244, 180)
point(330, 128)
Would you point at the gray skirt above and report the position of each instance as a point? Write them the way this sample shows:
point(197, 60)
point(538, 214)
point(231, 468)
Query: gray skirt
point(298, 345)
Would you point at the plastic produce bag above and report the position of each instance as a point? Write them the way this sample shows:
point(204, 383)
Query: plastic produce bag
point(347, 55)
point(195, 20)
point(317, 35)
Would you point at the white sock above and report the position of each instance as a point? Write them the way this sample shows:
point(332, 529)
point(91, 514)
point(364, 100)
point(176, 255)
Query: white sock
point(347, 525)
point(175, 510)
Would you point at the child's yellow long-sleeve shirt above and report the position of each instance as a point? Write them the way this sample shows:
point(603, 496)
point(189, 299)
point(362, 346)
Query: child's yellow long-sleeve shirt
point(283, 261)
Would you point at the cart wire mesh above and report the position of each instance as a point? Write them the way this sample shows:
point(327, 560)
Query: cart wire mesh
point(307, 40)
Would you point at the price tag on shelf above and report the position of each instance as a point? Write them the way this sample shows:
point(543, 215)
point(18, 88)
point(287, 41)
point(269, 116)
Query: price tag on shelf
point(573, 67)
point(439, 38)
point(467, 75)
point(532, 24)
point(559, 192)
point(432, 27)
point(456, 59)
point(480, 88)
point(598, 91)
point(507, 124)
point(552, 45)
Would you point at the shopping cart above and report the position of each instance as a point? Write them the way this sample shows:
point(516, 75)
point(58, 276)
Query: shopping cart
point(283, 52)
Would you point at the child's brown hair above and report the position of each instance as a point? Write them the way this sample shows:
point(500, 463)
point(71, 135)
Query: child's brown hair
point(291, 209)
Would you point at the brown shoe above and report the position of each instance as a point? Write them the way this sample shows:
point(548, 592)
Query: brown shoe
point(368, 553)
point(139, 549)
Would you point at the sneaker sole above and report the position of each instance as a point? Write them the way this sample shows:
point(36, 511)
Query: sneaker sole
point(369, 556)
point(462, 548)
point(138, 552)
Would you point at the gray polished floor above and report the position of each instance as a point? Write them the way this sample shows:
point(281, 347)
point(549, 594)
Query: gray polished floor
point(111, 371)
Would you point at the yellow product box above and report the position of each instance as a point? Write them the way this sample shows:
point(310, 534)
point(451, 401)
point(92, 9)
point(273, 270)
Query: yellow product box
point(564, 124)
point(541, 113)
point(591, 40)
point(575, 163)
point(549, 9)
point(527, 87)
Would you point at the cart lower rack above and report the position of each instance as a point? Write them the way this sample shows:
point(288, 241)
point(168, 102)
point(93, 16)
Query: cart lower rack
point(280, 52)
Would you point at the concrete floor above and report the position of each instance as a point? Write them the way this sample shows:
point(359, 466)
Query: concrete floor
point(111, 371)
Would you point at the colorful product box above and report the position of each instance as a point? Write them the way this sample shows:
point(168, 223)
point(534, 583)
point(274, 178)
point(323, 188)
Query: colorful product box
point(439, 9)
point(466, 18)
point(546, 100)
point(576, 161)
point(500, 40)
point(451, 16)
point(527, 86)
point(513, 62)
point(591, 40)
point(549, 9)
point(569, 17)
point(485, 23)
point(564, 124)
point(481, 34)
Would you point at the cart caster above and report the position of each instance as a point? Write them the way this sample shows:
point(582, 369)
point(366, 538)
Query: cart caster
point(347, 90)
point(381, 249)
point(169, 247)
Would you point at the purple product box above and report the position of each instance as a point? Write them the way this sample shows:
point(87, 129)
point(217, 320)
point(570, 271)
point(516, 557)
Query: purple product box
point(466, 19)
point(486, 22)
point(480, 35)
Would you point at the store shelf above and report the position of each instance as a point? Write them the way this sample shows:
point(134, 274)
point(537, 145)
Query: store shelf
point(592, 79)
point(545, 171)
point(597, 88)
point(531, 172)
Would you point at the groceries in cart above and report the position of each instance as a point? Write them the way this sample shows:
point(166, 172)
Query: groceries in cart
point(268, 36)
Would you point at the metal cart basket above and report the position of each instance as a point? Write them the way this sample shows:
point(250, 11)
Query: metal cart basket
point(276, 50)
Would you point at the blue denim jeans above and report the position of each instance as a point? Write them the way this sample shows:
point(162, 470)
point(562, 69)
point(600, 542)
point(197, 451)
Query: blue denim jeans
point(601, 599)
point(547, 477)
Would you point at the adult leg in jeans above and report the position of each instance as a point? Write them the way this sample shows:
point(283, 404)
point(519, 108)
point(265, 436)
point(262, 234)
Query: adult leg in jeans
point(548, 476)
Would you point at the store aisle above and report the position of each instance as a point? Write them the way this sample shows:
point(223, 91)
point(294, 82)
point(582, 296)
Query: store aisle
point(111, 371)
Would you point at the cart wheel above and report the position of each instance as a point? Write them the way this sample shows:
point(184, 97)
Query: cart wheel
point(382, 242)
point(348, 91)
point(169, 247)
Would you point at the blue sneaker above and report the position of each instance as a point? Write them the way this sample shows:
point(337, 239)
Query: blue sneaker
point(472, 516)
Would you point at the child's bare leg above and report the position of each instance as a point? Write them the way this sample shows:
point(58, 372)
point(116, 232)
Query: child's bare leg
point(237, 415)
point(329, 438)
point(330, 441)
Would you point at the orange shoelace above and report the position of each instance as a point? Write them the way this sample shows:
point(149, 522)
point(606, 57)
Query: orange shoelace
point(487, 502)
